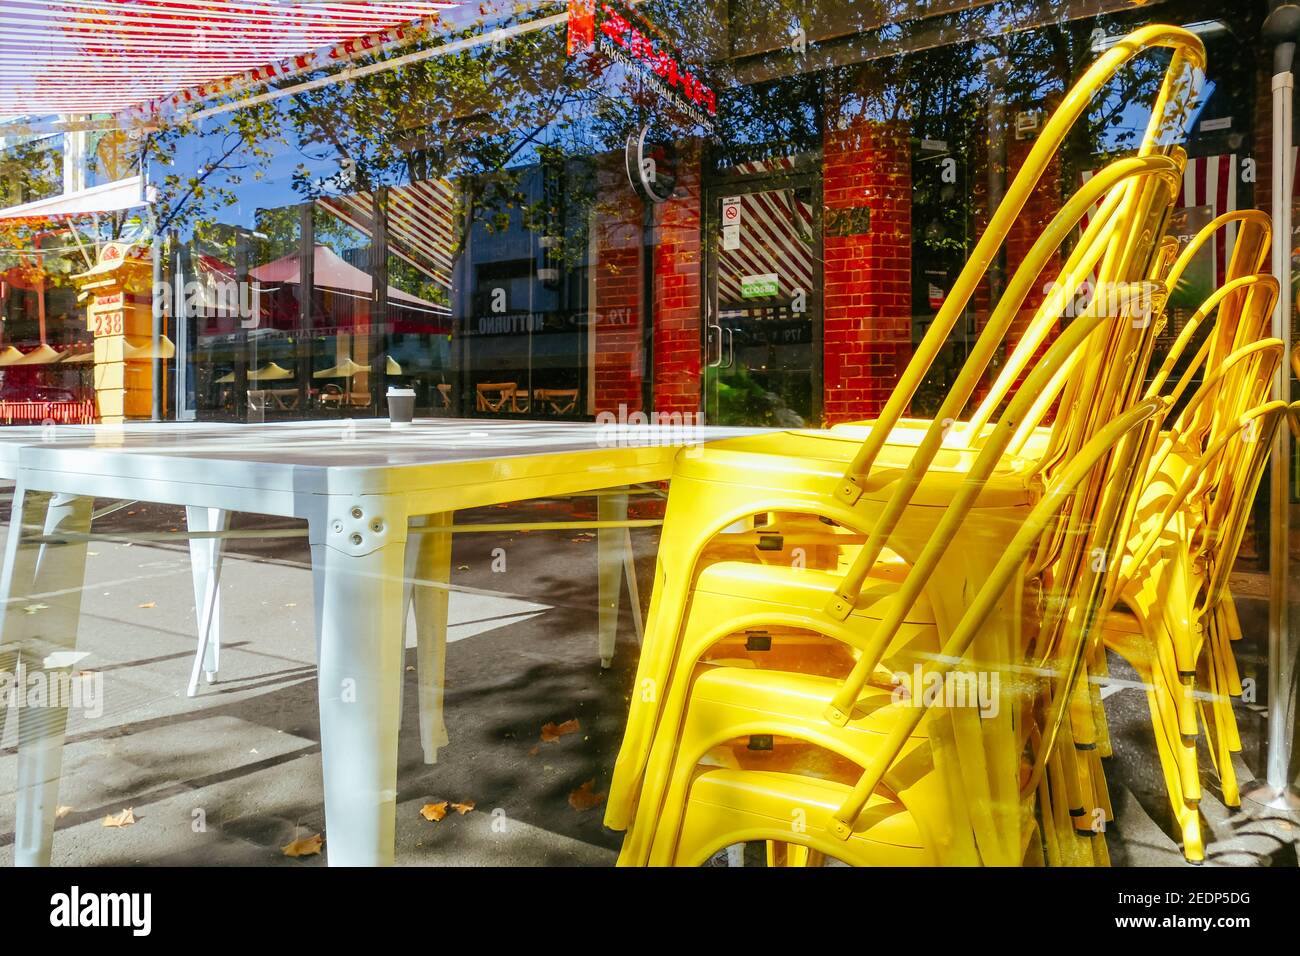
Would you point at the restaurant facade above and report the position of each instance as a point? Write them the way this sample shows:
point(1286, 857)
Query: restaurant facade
point(746, 211)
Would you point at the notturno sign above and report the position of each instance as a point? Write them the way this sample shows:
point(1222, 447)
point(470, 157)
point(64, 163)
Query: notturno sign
point(619, 34)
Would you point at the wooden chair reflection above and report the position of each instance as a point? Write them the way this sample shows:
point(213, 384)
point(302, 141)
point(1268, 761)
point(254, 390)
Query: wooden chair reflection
point(494, 396)
point(331, 396)
point(558, 401)
point(273, 399)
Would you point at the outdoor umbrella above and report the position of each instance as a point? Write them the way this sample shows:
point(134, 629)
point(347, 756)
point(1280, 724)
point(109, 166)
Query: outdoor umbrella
point(166, 349)
point(345, 369)
point(10, 355)
point(41, 355)
point(270, 372)
point(332, 273)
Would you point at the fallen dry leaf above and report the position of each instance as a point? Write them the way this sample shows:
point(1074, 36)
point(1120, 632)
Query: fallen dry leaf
point(536, 749)
point(304, 846)
point(434, 811)
point(552, 732)
point(61, 812)
point(463, 807)
point(584, 799)
point(124, 819)
point(148, 604)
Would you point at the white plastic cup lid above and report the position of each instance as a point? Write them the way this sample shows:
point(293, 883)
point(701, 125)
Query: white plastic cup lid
point(395, 392)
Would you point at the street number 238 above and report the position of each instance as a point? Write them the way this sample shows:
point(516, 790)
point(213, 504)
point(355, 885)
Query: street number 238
point(109, 324)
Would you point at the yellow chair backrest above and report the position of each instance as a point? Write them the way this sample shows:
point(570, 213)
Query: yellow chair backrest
point(1143, 190)
point(1114, 451)
point(1133, 201)
point(1076, 336)
point(1249, 251)
point(1231, 467)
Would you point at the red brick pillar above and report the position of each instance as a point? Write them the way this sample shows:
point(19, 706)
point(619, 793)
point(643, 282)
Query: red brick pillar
point(619, 281)
point(678, 300)
point(867, 297)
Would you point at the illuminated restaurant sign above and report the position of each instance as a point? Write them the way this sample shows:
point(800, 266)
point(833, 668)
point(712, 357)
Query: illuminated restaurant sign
point(619, 34)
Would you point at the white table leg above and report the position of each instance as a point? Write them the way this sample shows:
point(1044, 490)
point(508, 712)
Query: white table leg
point(429, 560)
point(358, 548)
point(633, 589)
point(609, 573)
point(49, 631)
point(205, 568)
point(16, 581)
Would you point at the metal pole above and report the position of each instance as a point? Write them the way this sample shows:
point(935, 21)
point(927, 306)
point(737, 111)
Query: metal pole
point(159, 304)
point(1275, 791)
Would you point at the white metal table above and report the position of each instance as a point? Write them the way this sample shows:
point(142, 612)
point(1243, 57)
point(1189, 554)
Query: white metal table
point(360, 486)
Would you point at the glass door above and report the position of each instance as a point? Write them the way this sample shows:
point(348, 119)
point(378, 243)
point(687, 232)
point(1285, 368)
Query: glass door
point(762, 337)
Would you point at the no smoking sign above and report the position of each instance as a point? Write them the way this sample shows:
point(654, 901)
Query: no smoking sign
point(731, 222)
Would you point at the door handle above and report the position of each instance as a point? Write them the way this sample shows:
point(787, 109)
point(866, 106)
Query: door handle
point(714, 332)
point(731, 348)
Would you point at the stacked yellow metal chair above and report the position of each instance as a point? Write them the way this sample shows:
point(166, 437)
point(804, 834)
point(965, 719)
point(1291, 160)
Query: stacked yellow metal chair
point(1171, 627)
point(932, 547)
point(1176, 618)
point(1191, 516)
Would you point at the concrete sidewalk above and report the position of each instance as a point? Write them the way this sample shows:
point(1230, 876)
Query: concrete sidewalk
point(232, 775)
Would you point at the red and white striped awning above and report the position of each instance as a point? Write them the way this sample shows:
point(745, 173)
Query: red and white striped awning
point(420, 224)
point(104, 56)
point(775, 239)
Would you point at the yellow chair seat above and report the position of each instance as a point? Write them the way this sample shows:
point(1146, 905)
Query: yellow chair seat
point(814, 462)
point(794, 705)
point(801, 588)
point(729, 704)
point(736, 806)
point(909, 431)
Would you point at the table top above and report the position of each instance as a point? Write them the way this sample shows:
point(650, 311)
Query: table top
point(367, 456)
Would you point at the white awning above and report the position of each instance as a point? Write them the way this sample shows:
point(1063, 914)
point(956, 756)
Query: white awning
point(110, 197)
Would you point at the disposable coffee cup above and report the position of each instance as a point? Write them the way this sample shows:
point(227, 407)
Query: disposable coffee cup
point(401, 406)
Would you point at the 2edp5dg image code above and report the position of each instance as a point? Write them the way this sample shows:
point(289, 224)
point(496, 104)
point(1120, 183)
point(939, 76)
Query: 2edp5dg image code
point(1212, 898)
point(1188, 897)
